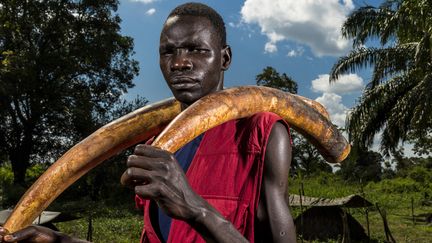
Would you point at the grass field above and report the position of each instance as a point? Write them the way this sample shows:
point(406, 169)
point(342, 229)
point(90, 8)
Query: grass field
point(122, 223)
point(110, 223)
point(396, 205)
point(118, 220)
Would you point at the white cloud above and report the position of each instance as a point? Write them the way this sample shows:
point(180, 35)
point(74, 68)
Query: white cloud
point(270, 47)
point(292, 53)
point(150, 11)
point(345, 84)
point(349, 4)
point(333, 103)
point(316, 23)
point(331, 98)
point(295, 53)
point(143, 1)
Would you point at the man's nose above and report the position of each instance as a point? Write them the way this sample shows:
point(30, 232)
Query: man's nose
point(181, 62)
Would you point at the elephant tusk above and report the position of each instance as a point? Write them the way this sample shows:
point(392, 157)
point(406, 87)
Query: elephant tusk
point(104, 143)
point(306, 116)
point(217, 108)
point(315, 105)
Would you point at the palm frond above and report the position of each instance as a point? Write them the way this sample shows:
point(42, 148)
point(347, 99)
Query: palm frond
point(368, 57)
point(357, 59)
point(390, 28)
point(423, 51)
point(393, 61)
point(415, 19)
point(374, 109)
point(365, 23)
point(403, 114)
point(423, 110)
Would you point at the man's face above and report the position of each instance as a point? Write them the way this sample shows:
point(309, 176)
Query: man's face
point(192, 58)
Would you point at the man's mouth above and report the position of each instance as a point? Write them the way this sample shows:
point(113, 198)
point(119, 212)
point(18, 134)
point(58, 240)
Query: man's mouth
point(183, 83)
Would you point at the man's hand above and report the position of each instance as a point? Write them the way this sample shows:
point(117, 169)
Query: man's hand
point(33, 234)
point(155, 174)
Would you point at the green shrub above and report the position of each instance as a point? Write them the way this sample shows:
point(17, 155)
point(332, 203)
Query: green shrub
point(11, 194)
point(6, 174)
point(397, 185)
point(420, 174)
point(323, 184)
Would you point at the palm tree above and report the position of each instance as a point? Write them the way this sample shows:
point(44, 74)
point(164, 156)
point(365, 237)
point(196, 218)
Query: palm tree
point(397, 99)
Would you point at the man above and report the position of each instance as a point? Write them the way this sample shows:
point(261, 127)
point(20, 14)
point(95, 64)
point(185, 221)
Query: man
point(240, 168)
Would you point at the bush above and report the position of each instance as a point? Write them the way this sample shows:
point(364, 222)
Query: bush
point(12, 194)
point(6, 179)
point(397, 185)
point(420, 174)
point(6, 174)
point(322, 185)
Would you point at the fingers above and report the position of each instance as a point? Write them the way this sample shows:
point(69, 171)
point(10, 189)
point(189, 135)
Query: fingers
point(24, 234)
point(150, 151)
point(5, 236)
point(150, 171)
point(145, 183)
point(150, 191)
point(146, 163)
point(136, 176)
point(3, 232)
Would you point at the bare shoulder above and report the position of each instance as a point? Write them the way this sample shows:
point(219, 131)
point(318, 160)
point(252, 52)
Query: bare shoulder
point(278, 150)
point(273, 204)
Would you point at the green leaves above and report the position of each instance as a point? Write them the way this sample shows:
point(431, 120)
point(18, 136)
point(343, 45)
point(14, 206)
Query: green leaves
point(271, 78)
point(397, 99)
point(63, 66)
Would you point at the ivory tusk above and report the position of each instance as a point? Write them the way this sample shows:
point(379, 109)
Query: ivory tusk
point(217, 108)
point(315, 105)
point(304, 115)
point(84, 156)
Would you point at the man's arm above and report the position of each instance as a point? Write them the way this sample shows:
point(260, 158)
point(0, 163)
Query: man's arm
point(275, 185)
point(155, 174)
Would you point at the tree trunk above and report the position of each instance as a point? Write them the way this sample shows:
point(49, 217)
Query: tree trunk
point(20, 163)
point(20, 157)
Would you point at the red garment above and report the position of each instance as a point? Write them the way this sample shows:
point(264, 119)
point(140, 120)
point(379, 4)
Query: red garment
point(227, 172)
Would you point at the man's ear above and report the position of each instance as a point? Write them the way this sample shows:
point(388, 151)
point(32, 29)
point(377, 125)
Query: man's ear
point(226, 57)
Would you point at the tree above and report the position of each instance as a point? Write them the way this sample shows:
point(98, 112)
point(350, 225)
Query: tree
point(397, 99)
point(404, 165)
point(422, 143)
point(305, 157)
point(111, 170)
point(63, 65)
point(271, 78)
point(362, 165)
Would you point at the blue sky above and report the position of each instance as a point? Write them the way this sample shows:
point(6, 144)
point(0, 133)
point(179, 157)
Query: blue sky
point(298, 37)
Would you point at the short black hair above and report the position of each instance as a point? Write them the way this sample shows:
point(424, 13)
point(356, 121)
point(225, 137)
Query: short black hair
point(202, 10)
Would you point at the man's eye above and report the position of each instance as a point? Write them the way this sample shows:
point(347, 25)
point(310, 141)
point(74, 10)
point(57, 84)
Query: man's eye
point(166, 52)
point(197, 50)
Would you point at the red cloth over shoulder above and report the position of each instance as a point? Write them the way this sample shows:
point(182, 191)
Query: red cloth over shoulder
point(227, 172)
